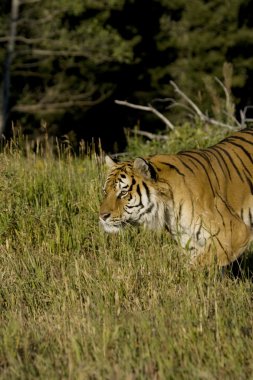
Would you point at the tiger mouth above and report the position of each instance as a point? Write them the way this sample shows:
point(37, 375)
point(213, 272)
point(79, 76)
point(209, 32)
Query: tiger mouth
point(112, 227)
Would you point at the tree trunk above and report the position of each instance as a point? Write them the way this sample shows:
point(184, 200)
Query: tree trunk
point(7, 66)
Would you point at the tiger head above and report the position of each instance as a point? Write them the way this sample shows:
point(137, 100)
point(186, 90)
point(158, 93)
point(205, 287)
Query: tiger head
point(130, 196)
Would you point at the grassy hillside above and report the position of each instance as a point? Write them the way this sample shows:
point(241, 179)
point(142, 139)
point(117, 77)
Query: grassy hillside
point(79, 304)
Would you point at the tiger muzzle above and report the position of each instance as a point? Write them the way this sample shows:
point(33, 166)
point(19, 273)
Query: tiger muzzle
point(104, 215)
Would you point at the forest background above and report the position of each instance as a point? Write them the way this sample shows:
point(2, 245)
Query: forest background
point(65, 62)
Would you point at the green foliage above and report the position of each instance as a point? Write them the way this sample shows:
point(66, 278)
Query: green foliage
point(203, 35)
point(71, 56)
point(181, 138)
point(62, 49)
point(77, 303)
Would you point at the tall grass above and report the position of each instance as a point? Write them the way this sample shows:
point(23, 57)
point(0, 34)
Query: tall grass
point(79, 304)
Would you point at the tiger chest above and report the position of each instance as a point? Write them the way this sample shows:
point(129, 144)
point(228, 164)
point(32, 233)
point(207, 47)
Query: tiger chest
point(185, 227)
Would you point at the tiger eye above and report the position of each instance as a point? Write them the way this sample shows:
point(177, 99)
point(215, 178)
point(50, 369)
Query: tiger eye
point(123, 193)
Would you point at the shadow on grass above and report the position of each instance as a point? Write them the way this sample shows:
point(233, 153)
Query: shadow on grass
point(242, 268)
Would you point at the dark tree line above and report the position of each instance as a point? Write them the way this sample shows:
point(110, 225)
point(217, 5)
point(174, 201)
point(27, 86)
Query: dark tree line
point(65, 62)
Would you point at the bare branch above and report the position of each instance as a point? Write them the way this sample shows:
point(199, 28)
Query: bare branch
point(148, 108)
point(232, 117)
point(57, 53)
point(188, 100)
point(184, 106)
point(230, 108)
point(82, 53)
point(149, 135)
point(38, 21)
point(199, 113)
point(47, 107)
point(216, 122)
point(163, 118)
point(29, 1)
point(131, 105)
point(28, 41)
point(245, 119)
point(224, 89)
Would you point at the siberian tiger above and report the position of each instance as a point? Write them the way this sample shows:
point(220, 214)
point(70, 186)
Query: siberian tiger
point(204, 198)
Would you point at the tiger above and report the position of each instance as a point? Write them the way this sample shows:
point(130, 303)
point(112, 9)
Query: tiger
point(202, 197)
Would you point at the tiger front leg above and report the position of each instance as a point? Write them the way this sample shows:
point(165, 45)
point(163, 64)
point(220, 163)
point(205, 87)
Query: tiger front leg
point(225, 246)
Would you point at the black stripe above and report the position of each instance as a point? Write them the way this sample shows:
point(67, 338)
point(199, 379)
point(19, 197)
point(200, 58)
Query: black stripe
point(138, 205)
point(218, 240)
point(209, 163)
point(147, 190)
point(193, 163)
point(152, 171)
point(231, 161)
point(245, 168)
point(180, 211)
point(243, 149)
point(138, 190)
point(198, 232)
point(228, 207)
point(172, 167)
point(210, 150)
point(132, 184)
point(221, 215)
point(147, 210)
point(250, 218)
point(139, 193)
point(239, 138)
point(250, 184)
point(248, 132)
point(223, 160)
point(125, 186)
point(186, 165)
point(243, 164)
point(189, 154)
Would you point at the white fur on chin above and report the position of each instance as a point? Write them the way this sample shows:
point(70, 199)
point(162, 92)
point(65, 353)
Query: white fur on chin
point(109, 227)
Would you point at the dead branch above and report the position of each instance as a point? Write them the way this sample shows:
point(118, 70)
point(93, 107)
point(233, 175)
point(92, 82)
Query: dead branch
point(47, 107)
point(199, 113)
point(188, 100)
point(245, 119)
point(148, 108)
point(28, 41)
point(149, 135)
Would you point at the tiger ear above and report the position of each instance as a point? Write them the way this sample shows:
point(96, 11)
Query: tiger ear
point(144, 168)
point(109, 162)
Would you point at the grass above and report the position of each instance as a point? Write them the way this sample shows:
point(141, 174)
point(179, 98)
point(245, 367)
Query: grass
point(79, 304)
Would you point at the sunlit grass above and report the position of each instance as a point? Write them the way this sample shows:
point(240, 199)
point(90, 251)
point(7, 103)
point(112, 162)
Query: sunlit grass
point(79, 304)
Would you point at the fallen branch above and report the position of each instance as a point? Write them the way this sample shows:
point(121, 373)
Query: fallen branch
point(148, 108)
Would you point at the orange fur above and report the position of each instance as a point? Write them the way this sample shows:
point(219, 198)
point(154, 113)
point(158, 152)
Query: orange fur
point(203, 197)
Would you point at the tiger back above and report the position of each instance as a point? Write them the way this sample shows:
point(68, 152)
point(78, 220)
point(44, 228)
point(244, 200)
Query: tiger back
point(204, 197)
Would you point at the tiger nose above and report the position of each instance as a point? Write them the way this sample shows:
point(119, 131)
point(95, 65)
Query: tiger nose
point(104, 215)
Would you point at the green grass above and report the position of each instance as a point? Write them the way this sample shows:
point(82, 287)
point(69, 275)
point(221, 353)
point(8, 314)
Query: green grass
point(79, 304)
